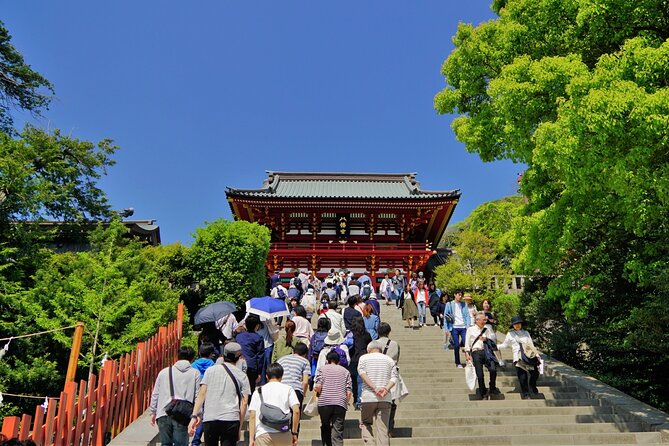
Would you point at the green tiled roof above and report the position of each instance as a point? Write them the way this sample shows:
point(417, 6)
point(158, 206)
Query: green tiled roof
point(341, 185)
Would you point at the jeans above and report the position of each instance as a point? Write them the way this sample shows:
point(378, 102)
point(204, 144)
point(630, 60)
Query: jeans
point(267, 360)
point(458, 336)
point(375, 417)
point(197, 438)
point(478, 359)
point(522, 377)
point(421, 312)
point(171, 432)
point(225, 433)
point(332, 425)
point(355, 389)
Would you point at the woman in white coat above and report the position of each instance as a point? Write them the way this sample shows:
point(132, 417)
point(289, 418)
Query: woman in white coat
point(515, 339)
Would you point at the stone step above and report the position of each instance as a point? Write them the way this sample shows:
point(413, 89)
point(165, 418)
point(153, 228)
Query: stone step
point(416, 430)
point(485, 439)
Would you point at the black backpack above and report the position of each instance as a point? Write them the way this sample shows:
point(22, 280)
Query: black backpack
point(298, 283)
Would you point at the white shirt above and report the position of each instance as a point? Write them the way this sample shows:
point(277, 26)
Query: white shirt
point(336, 322)
point(514, 339)
point(459, 320)
point(277, 394)
point(421, 296)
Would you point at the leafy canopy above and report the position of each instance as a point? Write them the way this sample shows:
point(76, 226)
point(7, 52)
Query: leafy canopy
point(228, 259)
point(20, 86)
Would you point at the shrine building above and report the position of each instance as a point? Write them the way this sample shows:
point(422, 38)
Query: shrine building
point(355, 221)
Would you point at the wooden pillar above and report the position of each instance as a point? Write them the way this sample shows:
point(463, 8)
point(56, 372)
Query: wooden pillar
point(74, 352)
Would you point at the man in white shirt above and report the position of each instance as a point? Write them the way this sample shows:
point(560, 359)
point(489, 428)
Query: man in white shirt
point(379, 374)
point(224, 402)
point(456, 321)
point(282, 396)
point(474, 349)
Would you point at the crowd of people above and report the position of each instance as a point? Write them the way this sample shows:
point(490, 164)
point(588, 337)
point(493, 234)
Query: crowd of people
point(262, 369)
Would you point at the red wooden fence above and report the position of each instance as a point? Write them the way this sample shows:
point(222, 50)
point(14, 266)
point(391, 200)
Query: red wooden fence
point(105, 405)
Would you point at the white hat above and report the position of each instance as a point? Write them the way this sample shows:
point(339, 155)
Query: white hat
point(334, 338)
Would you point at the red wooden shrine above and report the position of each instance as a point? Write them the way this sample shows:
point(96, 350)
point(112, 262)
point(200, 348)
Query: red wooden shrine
point(357, 221)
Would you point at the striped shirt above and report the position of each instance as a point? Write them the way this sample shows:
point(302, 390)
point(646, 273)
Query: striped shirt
point(335, 381)
point(381, 371)
point(295, 368)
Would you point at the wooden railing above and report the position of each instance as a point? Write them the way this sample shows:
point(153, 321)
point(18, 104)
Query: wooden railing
point(93, 412)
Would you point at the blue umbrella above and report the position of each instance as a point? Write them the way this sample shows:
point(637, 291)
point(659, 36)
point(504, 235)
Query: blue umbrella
point(267, 307)
point(214, 312)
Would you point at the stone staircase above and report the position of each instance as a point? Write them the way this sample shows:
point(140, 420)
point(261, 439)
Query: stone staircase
point(440, 409)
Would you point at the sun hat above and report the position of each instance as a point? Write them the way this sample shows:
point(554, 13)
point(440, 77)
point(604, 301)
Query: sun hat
point(334, 338)
point(516, 320)
point(467, 296)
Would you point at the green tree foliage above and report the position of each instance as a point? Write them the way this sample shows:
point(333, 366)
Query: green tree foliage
point(20, 86)
point(116, 289)
point(472, 266)
point(579, 91)
point(228, 259)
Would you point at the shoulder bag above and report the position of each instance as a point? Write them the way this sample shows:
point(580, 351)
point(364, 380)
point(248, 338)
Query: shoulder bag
point(179, 410)
point(234, 381)
point(272, 416)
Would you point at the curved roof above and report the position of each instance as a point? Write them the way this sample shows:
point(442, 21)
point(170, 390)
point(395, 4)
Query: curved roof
point(341, 185)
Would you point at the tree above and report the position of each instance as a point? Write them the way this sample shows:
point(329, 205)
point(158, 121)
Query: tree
point(116, 289)
point(228, 259)
point(579, 91)
point(20, 86)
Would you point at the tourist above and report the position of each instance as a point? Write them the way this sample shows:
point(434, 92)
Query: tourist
point(270, 333)
point(310, 303)
point(330, 292)
point(366, 290)
point(296, 284)
point(315, 283)
point(285, 343)
point(376, 306)
point(371, 321)
point(471, 307)
point(353, 287)
point(350, 312)
point(392, 349)
point(224, 401)
point(317, 341)
point(201, 364)
point(294, 292)
point(294, 302)
point(517, 339)
point(457, 320)
point(491, 323)
point(442, 321)
point(409, 309)
point(283, 397)
point(253, 349)
point(386, 289)
point(433, 303)
point(421, 297)
point(336, 319)
point(361, 339)
point(303, 329)
point(333, 385)
point(379, 374)
point(185, 381)
point(297, 370)
point(475, 351)
point(275, 279)
point(398, 286)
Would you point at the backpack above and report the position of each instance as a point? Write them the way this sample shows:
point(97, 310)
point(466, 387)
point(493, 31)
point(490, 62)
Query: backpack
point(366, 291)
point(342, 355)
point(280, 292)
point(317, 343)
point(272, 416)
point(298, 283)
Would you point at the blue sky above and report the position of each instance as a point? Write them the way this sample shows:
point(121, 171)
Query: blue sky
point(204, 95)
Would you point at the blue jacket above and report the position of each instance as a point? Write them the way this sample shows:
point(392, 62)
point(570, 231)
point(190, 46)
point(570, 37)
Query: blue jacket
point(450, 309)
point(253, 349)
point(201, 365)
